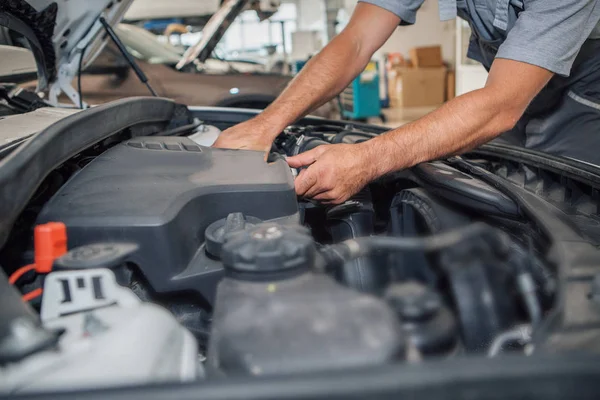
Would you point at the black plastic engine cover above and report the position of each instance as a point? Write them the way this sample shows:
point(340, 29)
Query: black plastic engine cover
point(161, 193)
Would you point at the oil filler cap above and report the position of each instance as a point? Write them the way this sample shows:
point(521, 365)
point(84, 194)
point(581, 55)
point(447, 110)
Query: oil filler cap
point(268, 252)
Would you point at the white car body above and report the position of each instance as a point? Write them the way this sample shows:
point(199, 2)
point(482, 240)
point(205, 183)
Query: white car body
point(160, 9)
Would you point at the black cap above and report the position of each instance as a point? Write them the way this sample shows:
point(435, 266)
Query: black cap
point(413, 301)
point(217, 231)
point(267, 252)
point(99, 255)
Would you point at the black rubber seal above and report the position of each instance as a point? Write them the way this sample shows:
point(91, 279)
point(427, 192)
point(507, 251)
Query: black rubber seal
point(25, 168)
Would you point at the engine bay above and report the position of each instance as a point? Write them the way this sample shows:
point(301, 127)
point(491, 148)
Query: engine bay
point(201, 263)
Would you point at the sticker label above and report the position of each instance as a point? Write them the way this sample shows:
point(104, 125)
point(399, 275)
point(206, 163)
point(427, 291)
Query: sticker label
point(69, 292)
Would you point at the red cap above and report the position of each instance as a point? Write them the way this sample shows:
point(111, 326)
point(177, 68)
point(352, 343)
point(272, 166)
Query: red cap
point(50, 242)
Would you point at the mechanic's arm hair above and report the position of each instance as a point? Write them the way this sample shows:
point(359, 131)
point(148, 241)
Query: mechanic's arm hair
point(332, 70)
point(464, 122)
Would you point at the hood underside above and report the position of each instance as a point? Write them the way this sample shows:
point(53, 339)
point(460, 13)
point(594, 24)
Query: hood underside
point(57, 30)
point(36, 26)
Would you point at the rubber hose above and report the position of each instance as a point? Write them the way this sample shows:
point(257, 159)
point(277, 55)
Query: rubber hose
point(339, 138)
point(359, 247)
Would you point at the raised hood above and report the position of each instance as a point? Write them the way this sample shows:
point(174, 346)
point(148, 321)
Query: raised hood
point(217, 26)
point(65, 36)
point(58, 32)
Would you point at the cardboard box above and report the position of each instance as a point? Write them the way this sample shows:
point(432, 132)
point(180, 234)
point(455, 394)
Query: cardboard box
point(426, 57)
point(417, 87)
point(450, 86)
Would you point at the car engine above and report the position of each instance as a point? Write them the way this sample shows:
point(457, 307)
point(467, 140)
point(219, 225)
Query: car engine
point(199, 263)
point(162, 193)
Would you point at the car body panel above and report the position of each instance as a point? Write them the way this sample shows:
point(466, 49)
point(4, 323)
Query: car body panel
point(202, 89)
point(158, 9)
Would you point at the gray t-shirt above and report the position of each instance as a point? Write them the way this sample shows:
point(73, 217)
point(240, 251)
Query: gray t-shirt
point(546, 33)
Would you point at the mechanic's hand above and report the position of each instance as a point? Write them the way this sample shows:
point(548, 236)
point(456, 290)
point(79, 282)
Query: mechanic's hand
point(335, 172)
point(248, 135)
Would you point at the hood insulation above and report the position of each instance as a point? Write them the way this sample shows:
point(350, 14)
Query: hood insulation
point(38, 30)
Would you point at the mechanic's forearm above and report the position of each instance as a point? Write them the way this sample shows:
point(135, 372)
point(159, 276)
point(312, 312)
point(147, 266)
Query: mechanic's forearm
point(324, 76)
point(460, 125)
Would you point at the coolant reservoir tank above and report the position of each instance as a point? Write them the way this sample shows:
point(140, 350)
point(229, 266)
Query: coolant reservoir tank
point(269, 253)
point(273, 315)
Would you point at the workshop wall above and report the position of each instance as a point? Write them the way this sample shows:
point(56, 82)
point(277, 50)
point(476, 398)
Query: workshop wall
point(428, 31)
point(311, 15)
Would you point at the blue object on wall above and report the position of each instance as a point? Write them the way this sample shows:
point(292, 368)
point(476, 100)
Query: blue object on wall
point(161, 24)
point(298, 65)
point(385, 102)
point(361, 99)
